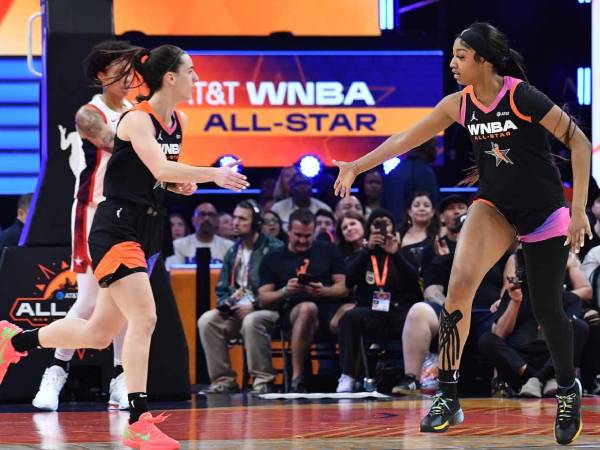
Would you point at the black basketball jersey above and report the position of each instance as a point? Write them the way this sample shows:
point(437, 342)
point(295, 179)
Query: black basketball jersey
point(127, 178)
point(511, 148)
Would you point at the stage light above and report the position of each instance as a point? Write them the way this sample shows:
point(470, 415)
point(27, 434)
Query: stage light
point(386, 14)
point(310, 166)
point(226, 159)
point(391, 164)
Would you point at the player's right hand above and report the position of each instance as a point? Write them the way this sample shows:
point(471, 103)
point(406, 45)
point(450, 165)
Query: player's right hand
point(345, 178)
point(228, 178)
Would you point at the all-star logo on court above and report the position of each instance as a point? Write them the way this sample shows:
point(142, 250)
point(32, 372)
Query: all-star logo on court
point(499, 154)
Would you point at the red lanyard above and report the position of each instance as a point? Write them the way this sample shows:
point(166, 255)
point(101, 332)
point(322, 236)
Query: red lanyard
point(380, 280)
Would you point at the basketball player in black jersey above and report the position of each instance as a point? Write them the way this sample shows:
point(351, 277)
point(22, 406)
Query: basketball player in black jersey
point(520, 194)
point(127, 230)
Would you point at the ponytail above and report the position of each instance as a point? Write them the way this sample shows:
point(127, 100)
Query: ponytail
point(513, 65)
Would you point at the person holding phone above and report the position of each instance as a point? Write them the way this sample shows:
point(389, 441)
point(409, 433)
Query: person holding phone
point(306, 282)
point(385, 290)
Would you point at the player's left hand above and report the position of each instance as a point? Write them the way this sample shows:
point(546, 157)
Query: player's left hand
point(578, 228)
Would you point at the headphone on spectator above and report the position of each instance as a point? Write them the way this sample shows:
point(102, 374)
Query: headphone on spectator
point(257, 220)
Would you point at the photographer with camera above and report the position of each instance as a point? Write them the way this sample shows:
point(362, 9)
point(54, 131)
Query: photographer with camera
point(306, 281)
point(238, 312)
point(516, 345)
point(422, 323)
point(385, 290)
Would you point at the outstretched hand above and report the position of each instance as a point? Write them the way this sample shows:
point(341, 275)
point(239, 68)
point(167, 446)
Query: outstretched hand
point(228, 178)
point(345, 178)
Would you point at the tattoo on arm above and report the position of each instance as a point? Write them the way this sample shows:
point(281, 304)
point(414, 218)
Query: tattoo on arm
point(91, 126)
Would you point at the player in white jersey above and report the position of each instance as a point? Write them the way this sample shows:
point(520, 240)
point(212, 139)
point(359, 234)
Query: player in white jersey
point(96, 123)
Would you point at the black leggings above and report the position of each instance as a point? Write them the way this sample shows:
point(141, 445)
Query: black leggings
point(545, 264)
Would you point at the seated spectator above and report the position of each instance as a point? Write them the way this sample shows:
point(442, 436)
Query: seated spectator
point(325, 226)
point(351, 240)
point(179, 225)
point(10, 237)
point(300, 197)
point(595, 226)
point(238, 313)
point(418, 229)
point(266, 198)
point(422, 323)
point(372, 191)
point(205, 224)
point(346, 204)
point(305, 281)
point(272, 226)
point(282, 185)
point(515, 345)
point(225, 227)
point(383, 283)
point(414, 174)
point(351, 234)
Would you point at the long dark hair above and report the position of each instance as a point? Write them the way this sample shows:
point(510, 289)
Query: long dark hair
point(434, 226)
point(491, 44)
point(103, 55)
point(150, 65)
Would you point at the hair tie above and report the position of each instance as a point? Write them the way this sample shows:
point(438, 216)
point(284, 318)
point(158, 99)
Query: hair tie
point(145, 56)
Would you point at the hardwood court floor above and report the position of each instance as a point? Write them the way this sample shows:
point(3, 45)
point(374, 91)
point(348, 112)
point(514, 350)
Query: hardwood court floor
point(238, 422)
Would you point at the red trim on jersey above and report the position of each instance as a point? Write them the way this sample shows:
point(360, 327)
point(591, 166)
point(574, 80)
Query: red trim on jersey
point(514, 82)
point(80, 250)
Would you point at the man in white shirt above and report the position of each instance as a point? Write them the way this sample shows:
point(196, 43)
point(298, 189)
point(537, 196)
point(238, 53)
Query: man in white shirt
point(300, 197)
point(205, 222)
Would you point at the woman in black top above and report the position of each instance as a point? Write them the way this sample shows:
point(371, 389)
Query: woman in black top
point(385, 289)
point(420, 227)
point(127, 228)
point(520, 194)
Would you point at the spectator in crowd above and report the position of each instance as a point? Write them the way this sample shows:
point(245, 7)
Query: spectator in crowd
point(325, 226)
point(11, 236)
point(595, 226)
point(578, 274)
point(238, 313)
point(351, 240)
point(282, 185)
point(305, 281)
point(179, 225)
point(515, 344)
point(414, 174)
point(273, 226)
point(419, 228)
point(300, 197)
point(422, 323)
point(372, 191)
point(346, 204)
point(205, 222)
point(351, 233)
point(267, 192)
point(225, 227)
point(382, 282)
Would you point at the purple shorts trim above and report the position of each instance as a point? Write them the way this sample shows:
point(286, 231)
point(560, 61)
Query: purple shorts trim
point(557, 224)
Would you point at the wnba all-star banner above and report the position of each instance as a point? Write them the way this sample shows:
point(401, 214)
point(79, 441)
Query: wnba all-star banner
point(271, 108)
